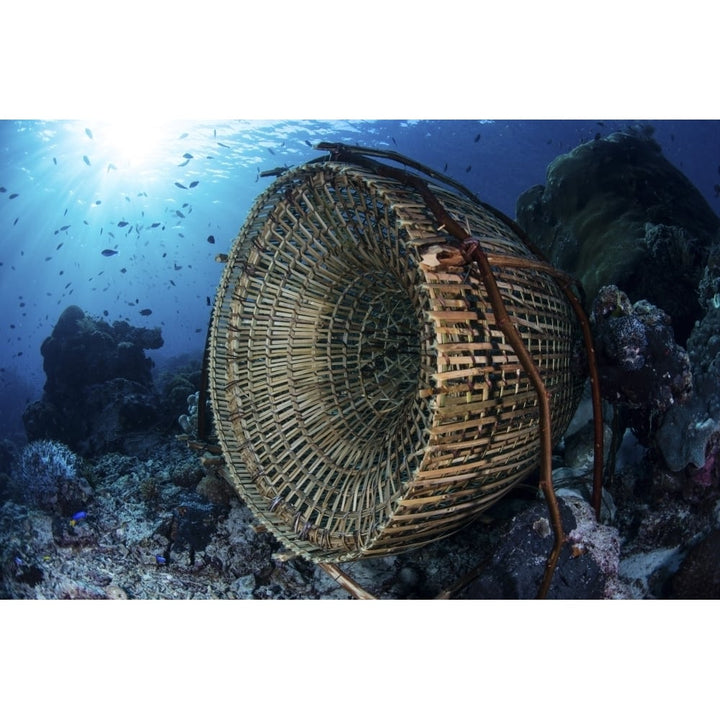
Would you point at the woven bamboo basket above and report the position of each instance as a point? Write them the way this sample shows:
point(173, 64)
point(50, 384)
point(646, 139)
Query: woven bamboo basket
point(364, 399)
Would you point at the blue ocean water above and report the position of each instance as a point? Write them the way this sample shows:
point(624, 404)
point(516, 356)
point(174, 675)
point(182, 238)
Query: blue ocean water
point(116, 217)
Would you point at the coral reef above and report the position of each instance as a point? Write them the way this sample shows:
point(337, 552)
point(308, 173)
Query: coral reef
point(99, 390)
point(49, 476)
point(158, 523)
point(645, 244)
point(178, 379)
point(616, 211)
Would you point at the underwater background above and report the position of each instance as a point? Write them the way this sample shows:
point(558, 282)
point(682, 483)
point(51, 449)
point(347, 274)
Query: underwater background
point(124, 219)
point(317, 59)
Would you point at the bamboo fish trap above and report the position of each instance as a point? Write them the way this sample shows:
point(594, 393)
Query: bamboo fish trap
point(364, 397)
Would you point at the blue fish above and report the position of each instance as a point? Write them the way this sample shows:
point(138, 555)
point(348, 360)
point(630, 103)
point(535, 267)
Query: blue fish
point(86, 159)
point(81, 515)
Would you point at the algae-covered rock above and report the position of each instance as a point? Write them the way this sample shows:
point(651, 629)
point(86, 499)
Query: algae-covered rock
point(616, 211)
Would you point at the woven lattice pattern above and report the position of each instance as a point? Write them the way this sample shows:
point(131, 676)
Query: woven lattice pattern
point(364, 399)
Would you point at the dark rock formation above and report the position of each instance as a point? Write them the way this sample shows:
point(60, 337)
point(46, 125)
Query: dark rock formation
point(615, 211)
point(587, 567)
point(642, 369)
point(685, 434)
point(699, 575)
point(99, 387)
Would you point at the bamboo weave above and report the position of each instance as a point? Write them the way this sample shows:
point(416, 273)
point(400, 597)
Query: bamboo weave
point(364, 399)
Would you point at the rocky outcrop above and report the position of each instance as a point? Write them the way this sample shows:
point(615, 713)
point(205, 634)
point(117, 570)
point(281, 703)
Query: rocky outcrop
point(99, 389)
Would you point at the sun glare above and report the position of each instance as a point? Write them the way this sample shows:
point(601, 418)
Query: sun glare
point(136, 143)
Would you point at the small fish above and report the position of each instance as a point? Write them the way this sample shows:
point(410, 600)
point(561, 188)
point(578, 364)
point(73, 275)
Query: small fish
point(86, 159)
point(477, 137)
point(12, 196)
point(275, 172)
point(146, 311)
point(394, 140)
point(123, 270)
point(59, 246)
point(16, 219)
point(207, 300)
point(123, 223)
point(98, 202)
point(445, 168)
point(2, 189)
point(180, 185)
point(55, 160)
point(188, 156)
point(81, 515)
point(183, 136)
point(88, 132)
point(64, 227)
point(271, 151)
point(155, 224)
point(221, 258)
point(468, 168)
point(179, 214)
point(183, 164)
point(194, 183)
point(105, 313)
point(111, 167)
point(308, 143)
point(211, 239)
point(224, 145)
point(160, 560)
point(108, 252)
